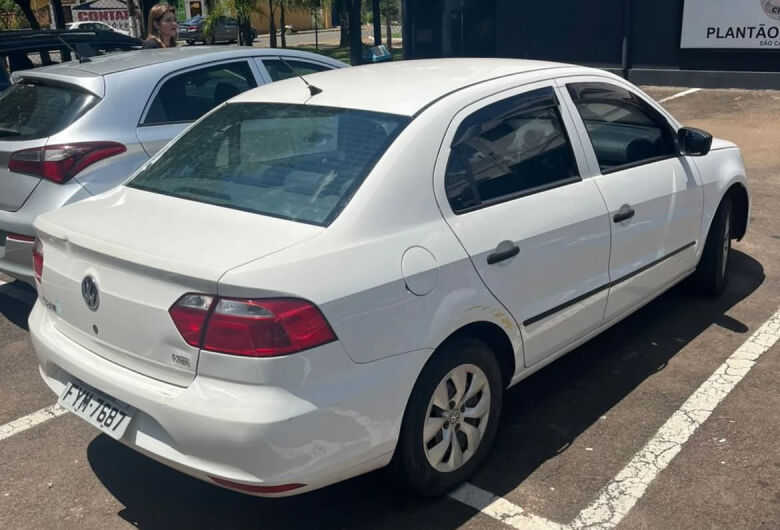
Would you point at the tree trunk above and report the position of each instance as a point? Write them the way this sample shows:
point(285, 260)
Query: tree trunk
point(283, 27)
point(343, 9)
point(272, 23)
point(24, 5)
point(355, 36)
point(377, 21)
point(59, 14)
point(389, 39)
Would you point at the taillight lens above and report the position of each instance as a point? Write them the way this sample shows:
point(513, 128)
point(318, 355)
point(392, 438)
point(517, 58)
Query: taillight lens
point(38, 259)
point(59, 163)
point(20, 237)
point(252, 328)
point(189, 315)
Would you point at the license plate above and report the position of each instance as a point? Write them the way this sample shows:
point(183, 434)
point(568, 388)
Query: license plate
point(100, 410)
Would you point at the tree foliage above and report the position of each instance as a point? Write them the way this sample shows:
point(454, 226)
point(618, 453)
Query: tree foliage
point(12, 16)
point(239, 9)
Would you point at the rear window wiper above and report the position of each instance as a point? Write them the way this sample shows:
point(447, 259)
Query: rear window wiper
point(9, 132)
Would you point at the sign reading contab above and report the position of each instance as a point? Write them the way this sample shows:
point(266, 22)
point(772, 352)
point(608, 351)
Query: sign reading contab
point(731, 24)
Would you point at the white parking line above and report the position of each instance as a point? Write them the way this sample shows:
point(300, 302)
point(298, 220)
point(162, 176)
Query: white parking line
point(679, 95)
point(630, 484)
point(623, 492)
point(501, 509)
point(31, 420)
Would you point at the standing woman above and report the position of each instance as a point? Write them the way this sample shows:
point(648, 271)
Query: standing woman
point(162, 27)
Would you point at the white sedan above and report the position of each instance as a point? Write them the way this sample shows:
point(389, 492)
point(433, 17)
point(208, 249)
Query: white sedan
point(341, 272)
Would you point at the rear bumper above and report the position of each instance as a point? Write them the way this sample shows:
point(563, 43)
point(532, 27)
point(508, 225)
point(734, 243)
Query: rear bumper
point(327, 425)
point(16, 256)
point(16, 260)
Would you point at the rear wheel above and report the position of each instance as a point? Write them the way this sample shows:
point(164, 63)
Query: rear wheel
point(711, 275)
point(190, 42)
point(451, 419)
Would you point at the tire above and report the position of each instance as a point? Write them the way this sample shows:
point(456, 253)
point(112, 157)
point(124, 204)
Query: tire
point(426, 464)
point(190, 42)
point(711, 275)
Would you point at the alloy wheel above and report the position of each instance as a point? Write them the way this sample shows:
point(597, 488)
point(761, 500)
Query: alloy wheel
point(456, 418)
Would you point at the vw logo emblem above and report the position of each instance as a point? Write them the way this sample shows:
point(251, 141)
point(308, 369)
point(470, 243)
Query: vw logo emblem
point(89, 291)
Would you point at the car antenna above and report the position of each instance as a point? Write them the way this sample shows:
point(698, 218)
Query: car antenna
point(313, 90)
point(80, 57)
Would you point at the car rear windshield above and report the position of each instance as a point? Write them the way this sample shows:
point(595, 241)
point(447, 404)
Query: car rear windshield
point(29, 110)
point(297, 162)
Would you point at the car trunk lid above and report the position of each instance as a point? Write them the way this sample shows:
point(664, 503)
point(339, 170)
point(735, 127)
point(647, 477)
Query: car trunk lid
point(141, 252)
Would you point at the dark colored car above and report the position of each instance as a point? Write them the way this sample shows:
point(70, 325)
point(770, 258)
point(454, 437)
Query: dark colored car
point(225, 30)
point(26, 49)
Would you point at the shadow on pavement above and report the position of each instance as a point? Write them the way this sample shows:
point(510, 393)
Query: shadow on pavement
point(542, 416)
point(16, 302)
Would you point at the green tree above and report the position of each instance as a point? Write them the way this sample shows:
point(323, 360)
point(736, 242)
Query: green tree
point(241, 10)
point(24, 5)
point(12, 16)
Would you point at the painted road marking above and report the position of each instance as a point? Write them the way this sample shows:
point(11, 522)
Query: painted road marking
point(630, 484)
point(679, 95)
point(31, 420)
point(501, 509)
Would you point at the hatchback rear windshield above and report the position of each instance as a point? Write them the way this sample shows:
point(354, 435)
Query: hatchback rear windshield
point(297, 162)
point(29, 111)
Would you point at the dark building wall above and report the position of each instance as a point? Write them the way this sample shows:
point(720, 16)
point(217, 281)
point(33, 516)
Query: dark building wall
point(591, 33)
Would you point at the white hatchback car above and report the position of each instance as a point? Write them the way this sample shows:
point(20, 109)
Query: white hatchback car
point(331, 274)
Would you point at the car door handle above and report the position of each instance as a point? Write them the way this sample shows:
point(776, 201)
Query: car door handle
point(504, 251)
point(625, 212)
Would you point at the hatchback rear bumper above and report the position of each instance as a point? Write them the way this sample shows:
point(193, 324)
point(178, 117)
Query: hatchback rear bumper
point(312, 431)
point(15, 255)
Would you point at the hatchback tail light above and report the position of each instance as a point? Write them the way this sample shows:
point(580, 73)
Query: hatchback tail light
point(248, 327)
point(38, 259)
point(60, 163)
point(20, 237)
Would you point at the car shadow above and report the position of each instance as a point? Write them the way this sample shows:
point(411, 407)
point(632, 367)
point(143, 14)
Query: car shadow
point(16, 301)
point(542, 416)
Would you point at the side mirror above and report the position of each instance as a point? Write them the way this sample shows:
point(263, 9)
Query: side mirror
point(694, 142)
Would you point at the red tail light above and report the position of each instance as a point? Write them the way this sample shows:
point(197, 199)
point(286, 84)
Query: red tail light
point(253, 328)
point(59, 163)
point(38, 259)
point(20, 237)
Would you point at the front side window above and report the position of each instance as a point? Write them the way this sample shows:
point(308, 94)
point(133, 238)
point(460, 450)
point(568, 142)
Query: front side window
point(297, 162)
point(188, 96)
point(509, 149)
point(623, 129)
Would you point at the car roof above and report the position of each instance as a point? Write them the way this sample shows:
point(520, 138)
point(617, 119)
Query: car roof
point(183, 56)
point(403, 87)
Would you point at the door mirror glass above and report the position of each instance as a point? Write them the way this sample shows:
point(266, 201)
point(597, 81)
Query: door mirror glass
point(694, 142)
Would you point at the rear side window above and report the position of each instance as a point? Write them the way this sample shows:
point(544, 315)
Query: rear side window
point(509, 149)
point(188, 96)
point(288, 68)
point(30, 111)
point(624, 129)
point(297, 162)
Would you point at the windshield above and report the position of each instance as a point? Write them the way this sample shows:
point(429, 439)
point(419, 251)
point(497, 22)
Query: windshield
point(297, 162)
point(30, 111)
